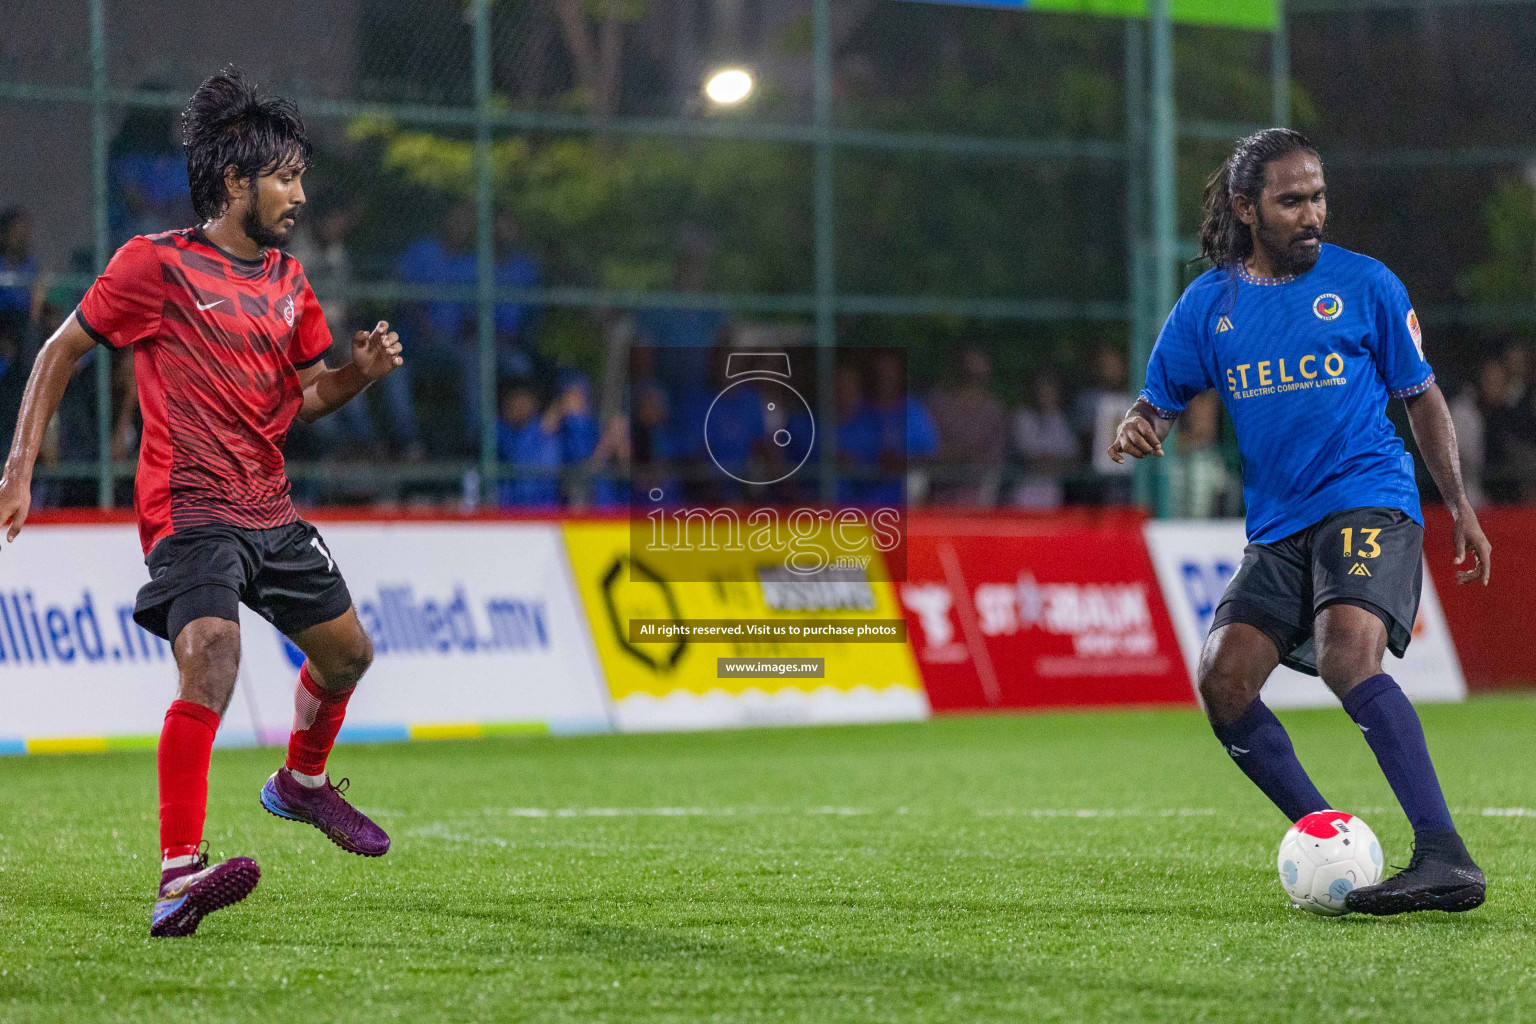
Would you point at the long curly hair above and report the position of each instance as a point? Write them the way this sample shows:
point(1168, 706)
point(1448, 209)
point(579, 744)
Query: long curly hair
point(228, 123)
point(1224, 239)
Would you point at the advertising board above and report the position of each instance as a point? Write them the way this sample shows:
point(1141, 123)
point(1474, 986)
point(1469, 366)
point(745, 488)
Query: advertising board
point(680, 683)
point(475, 627)
point(1038, 614)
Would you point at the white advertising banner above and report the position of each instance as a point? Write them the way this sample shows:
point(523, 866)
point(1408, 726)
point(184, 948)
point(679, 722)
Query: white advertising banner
point(474, 624)
point(1195, 560)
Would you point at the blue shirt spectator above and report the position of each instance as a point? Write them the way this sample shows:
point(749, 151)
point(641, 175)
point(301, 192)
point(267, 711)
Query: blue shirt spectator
point(16, 258)
point(922, 435)
point(531, 444)
point(451, 260)
point(147, 174)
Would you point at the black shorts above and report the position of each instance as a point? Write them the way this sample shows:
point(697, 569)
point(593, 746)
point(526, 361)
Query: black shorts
point(285, 574)
point(1369, 557)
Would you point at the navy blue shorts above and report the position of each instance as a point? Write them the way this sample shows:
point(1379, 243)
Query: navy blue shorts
point(1372, 558)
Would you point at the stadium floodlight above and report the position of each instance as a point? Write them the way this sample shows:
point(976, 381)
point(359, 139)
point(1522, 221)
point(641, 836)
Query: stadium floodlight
point(728, 86)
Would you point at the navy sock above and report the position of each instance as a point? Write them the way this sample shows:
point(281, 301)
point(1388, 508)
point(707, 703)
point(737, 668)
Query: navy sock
point(1262, 749)
point(1392, 728)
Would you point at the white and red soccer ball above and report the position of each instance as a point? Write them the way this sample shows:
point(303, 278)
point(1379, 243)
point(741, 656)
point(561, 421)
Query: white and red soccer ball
point(1324, 856)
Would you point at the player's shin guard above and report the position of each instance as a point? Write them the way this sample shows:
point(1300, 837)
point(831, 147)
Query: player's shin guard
point(1391, 727)
point(186, 743)
point(1262, 749)
point(317, 718)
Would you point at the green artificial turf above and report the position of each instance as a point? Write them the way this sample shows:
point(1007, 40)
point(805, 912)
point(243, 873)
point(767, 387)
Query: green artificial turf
point(1085, 867)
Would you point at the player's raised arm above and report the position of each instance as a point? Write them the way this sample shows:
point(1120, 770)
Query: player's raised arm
point(375, 353)
point(45, 387)
point(1435, 433)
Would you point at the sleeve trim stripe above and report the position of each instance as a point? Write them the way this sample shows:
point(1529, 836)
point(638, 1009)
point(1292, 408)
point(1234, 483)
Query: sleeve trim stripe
point(1417, 389)
point(1162, 414)
point(306, 364)
point(97, 336)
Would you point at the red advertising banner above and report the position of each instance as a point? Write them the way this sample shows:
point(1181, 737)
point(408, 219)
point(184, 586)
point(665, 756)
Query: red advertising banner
point(1038, 613)
point(1489, 624)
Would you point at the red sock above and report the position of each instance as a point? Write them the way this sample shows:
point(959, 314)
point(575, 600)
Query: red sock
point(186, 741)
point(317, 717)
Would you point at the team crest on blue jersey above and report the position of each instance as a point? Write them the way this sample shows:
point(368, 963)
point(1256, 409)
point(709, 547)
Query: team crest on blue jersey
point(1223, 325)
point(1328, 306)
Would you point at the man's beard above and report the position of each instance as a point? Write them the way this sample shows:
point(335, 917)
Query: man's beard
point(1286, 254)
point(264, 235)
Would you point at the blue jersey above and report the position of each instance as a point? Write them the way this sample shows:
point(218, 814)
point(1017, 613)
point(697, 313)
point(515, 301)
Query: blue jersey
point(1305, 366)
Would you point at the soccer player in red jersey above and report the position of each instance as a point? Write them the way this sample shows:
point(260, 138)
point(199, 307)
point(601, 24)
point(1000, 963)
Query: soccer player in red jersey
point(228, 347)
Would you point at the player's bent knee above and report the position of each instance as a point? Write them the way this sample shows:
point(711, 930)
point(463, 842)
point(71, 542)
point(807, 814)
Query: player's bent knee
point(1349, 648)
point(208, 655)
point(1225, 693)
point(344, 667)
point(1343, 669)
point(212, 642)
point(360, 657)
point(1226, 685)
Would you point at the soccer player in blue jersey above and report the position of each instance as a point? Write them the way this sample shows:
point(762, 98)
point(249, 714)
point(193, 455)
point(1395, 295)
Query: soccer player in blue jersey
point(1306, 343)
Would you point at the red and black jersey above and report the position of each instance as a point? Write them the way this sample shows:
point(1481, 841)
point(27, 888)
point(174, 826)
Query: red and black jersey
point(217, 345)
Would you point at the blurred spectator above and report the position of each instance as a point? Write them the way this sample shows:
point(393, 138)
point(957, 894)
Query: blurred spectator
point(608, 466)
point(1201, 484)
point(16, 258)
point(564, 437)
point(684, 336)
point(859, 442)
point(530, 445)
point(1046, 444)
point(973, 433)
point(1467, 417)
point(1509, 435)
point(906, 433)
point(734, 416)
point(1516, 358)
point(652, 446)
point(320, 245)
point(579, 431)
point(443, 334)
point(147, 186)
point(1096, 415)
point(515, 321)
point(21, 305)
point(579, 436)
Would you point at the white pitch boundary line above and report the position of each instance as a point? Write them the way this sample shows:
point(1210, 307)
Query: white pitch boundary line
point(834, 811)
point(848, 812)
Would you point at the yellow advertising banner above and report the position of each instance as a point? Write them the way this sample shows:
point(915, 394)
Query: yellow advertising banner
point(757, 668)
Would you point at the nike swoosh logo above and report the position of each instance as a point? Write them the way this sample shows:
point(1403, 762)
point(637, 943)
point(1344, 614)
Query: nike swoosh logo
point(208, 305)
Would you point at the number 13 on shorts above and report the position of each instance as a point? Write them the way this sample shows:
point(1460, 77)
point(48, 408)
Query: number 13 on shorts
point(1368, 547)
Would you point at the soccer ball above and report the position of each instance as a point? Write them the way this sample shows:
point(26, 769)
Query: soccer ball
point(1325, 855)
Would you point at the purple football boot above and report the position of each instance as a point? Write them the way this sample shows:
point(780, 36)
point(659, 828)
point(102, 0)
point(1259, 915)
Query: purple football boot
point(189, 894)
point(324, 808)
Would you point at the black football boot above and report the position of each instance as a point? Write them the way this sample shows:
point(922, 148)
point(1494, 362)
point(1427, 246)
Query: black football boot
point(1441, 876)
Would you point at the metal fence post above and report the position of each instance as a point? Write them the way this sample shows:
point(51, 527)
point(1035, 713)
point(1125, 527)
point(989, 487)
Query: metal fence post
point(1136, 221)
point(825, 225)
point(485, 247)
point(1280, 68)
point(101, 243)
point(1164, 179)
